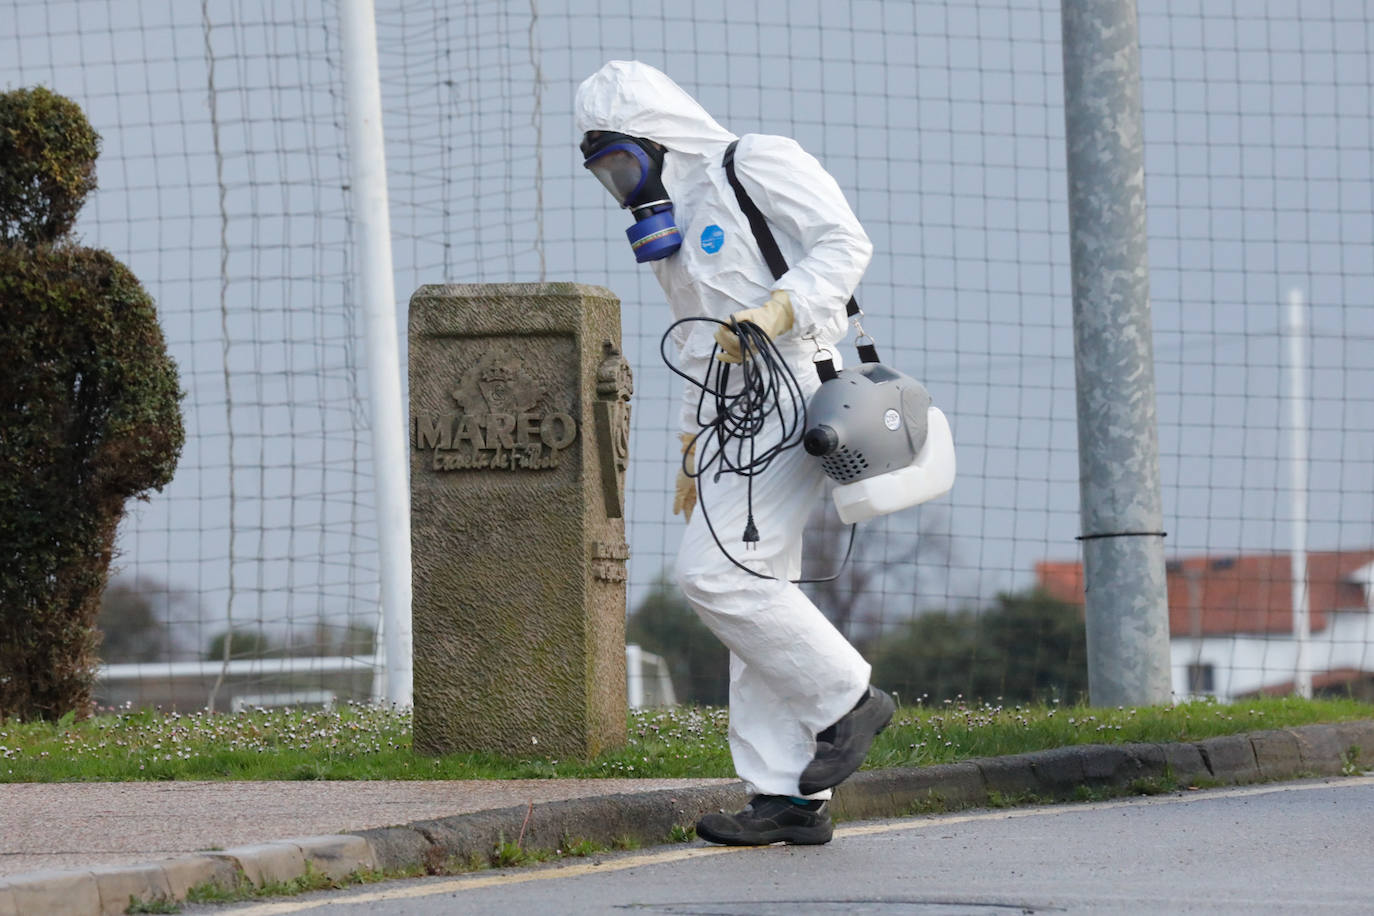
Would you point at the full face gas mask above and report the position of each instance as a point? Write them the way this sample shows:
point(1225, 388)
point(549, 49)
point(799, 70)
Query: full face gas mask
point(631, 168)
point(879, 437)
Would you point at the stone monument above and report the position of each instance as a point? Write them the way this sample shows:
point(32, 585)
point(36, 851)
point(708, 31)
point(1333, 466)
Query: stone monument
point(519, 435)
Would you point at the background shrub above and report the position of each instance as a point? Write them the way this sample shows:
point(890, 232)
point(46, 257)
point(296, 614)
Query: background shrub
point(89, 408)
point(47, 165)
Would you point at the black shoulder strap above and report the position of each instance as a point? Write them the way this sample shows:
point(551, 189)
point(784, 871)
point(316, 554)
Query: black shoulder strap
point(762, 234)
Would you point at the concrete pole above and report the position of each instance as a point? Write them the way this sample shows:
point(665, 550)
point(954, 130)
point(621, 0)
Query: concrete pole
point(376, 289)
point(1118, 446)
point(634, 665)
point(1296, 333)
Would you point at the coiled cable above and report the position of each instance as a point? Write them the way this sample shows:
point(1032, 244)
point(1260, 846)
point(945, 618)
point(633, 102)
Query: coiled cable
point(767, 389)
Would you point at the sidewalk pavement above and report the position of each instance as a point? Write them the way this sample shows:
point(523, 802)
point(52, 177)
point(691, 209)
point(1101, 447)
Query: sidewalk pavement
point(86, 848)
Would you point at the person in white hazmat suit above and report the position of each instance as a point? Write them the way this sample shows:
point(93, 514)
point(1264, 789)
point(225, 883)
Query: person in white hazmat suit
point(802, 712)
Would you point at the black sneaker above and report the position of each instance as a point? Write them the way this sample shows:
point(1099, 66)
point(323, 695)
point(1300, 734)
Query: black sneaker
point(842, 747)
point(769, 819)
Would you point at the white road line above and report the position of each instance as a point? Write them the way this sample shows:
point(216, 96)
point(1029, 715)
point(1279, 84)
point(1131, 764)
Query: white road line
point(476, 882)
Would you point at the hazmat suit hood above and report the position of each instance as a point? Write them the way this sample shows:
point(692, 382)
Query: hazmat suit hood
point(633, 98)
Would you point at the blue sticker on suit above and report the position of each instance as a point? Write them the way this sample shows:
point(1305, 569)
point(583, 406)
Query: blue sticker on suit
point(712, 239)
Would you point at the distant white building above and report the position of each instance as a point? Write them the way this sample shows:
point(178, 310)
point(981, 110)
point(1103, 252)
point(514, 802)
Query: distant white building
point(1231, 622)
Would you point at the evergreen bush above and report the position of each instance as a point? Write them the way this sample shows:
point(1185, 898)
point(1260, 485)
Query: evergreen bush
point(47, 165)
point(89, 408)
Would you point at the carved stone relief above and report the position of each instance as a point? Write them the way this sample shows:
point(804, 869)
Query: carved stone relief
point(500, 424)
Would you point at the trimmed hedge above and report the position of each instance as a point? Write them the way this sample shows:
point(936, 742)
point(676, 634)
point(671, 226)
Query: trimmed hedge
point(47, 165)
point(89, 413)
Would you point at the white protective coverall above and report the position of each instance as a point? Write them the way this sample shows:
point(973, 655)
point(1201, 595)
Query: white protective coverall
point(791, 672)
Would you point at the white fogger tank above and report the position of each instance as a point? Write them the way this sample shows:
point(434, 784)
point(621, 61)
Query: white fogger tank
point(881, 439)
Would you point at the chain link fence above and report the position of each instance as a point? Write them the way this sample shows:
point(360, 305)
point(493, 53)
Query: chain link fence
point(223, 184)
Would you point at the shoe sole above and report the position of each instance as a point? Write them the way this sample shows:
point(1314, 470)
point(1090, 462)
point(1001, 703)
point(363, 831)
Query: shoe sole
point(807, 788)
point(792, 836)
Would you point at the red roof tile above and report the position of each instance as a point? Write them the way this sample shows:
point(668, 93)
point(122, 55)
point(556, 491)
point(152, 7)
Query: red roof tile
point(1337, 677)
point(1253, 593)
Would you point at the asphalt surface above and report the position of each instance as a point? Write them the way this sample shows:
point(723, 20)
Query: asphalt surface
point(87, 848)
point(1277, 848)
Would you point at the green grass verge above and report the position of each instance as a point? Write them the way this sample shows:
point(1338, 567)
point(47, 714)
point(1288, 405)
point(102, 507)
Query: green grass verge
point(368, 742)
point(244, 889)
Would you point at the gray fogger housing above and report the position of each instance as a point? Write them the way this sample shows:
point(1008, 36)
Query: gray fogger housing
point(880, 438)
point(866, 421)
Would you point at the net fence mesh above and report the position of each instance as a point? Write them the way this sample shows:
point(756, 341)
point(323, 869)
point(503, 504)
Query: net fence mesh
point(224, 186)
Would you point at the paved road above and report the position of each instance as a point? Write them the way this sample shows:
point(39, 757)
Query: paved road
point(1280, 848)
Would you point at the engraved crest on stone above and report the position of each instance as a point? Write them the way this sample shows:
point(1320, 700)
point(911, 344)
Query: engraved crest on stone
point(496, 386)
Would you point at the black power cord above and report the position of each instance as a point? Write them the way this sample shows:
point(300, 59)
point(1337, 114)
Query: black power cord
point(738, 419)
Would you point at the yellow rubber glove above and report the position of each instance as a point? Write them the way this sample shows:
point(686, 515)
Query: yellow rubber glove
point(774, 317)
point(685, 490)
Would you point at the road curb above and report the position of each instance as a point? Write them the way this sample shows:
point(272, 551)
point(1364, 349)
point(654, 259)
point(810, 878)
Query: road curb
point(648, 818)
